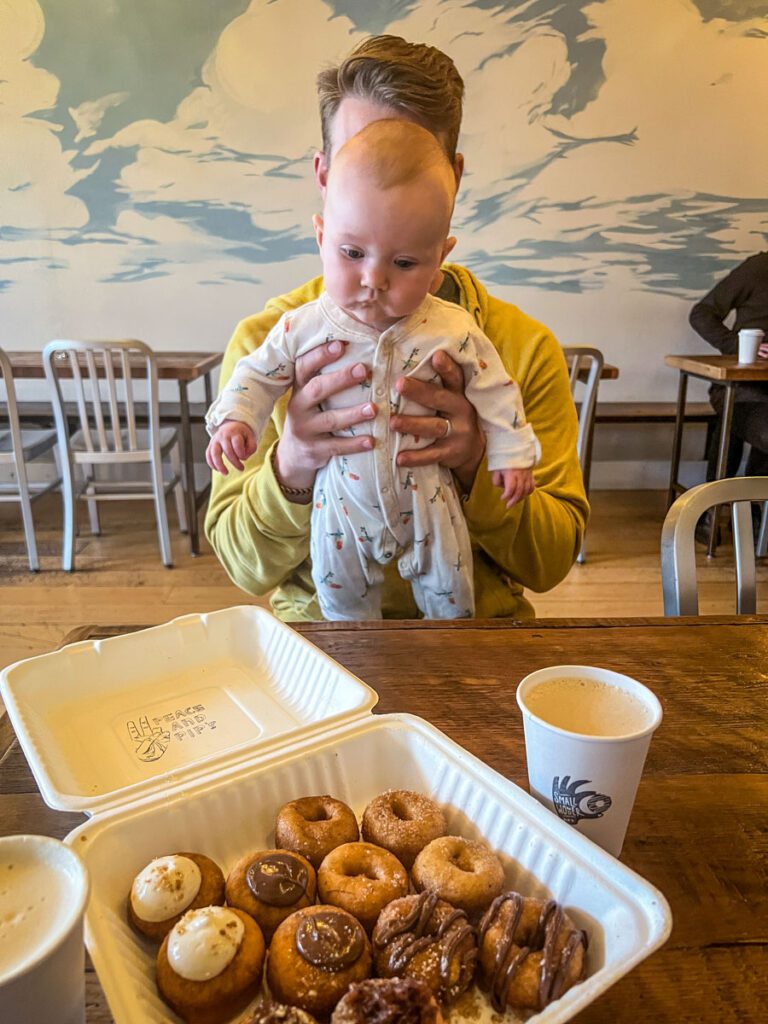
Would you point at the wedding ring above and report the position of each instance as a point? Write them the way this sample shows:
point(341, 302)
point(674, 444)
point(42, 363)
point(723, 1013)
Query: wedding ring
point(448, 427)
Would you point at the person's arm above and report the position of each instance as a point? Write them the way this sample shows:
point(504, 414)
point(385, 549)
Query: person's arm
point(536, 542)
point(707, 316)
point(259, 535)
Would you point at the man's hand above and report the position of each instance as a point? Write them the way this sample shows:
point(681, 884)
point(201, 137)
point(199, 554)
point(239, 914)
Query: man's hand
point(460, 443)
point(516, 484)
point(233, 439)
point(307, 442)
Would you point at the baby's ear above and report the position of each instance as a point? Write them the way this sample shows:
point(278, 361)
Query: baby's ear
point(448, 245)
point(317, 224)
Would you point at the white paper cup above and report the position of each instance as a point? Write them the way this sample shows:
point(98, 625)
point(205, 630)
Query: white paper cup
point(43, 893)
point(588, 780)
point(750, 339)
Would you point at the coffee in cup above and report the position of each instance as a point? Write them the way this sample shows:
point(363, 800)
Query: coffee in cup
point(43, 893)
point(587, 733)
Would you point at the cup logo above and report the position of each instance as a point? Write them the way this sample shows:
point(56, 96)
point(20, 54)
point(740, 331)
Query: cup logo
point(574, 806)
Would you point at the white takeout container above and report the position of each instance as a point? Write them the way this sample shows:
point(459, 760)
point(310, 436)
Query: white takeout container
point(191, 735)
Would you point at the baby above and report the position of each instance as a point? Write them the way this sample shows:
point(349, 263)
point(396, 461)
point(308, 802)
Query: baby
point(382, 238)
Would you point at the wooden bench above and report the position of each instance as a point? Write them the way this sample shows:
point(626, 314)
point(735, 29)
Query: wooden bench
point(652, 412)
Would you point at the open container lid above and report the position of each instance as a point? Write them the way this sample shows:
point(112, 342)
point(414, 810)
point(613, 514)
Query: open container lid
point(105, 722)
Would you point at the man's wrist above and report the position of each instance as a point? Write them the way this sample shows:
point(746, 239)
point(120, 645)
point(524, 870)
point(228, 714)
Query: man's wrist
point(299, 495)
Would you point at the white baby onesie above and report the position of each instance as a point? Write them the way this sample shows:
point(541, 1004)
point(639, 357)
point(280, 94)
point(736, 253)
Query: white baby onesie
point(367, 510)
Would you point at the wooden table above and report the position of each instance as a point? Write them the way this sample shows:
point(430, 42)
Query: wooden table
point(698, 831)
point(724, 370)
point(184, 368)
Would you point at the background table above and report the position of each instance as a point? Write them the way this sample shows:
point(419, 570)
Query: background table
point(184, 368)
point(724, 370)
point(698, 831)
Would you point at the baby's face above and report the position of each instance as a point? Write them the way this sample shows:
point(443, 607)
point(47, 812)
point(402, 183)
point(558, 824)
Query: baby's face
point(381, 249)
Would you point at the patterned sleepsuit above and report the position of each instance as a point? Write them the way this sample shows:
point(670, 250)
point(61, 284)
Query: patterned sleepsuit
point(367, 510)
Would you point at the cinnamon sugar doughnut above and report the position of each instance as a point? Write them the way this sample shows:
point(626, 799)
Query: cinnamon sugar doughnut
point(465, 872)
point(426, 938)
point(403, 822)
point(531, 952)
point(314, 956)
point(361, 878)
point(315, 825)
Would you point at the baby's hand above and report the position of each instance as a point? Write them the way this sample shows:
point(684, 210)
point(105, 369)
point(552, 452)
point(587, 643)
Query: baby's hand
point(235, 440)
point(516, 484)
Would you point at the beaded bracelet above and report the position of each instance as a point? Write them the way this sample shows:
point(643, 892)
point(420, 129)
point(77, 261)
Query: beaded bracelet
point(289, 492)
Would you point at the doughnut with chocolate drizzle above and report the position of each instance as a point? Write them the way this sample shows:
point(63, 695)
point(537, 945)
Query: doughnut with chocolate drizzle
point(530, 952)
point(424, 937)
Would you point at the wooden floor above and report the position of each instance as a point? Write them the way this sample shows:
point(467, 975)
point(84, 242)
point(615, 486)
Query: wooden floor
point(120, 577)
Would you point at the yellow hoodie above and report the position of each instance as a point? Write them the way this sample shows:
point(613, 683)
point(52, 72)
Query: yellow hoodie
point(262, 538)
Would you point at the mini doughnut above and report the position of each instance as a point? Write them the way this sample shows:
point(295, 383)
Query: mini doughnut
point(315, 825)
point(403, 823)
point(361, 879)
point(465, 872)
point(270, 885)
point(315, 955)
point(170, 886)
point(426, 938)
point(210, 964)
point(388, 1001)
point(531, 952)
point(278, 1013)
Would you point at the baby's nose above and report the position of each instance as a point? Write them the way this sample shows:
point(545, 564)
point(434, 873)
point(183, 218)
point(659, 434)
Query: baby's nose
point(374, 278)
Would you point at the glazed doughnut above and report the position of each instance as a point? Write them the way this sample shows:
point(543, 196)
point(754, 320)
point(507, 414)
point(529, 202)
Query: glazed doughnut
point(403, 823)
point(361, 879)
point(426, 938)
point(465, 872)
point(315, 825)
point(210, 964)
point(388, 1001)
point(270, 885)
point(170, 886)
point(531, 952)
point(315, 955)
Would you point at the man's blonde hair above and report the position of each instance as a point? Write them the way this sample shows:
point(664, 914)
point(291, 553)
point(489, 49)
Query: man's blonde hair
point(418, 80)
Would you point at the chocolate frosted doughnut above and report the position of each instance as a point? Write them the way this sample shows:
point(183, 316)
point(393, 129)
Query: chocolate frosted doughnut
point(388, 1001)
point(426, 938)
point(270, 885)
point(465, 872)
point(361, 879)
point(315, 825)
point(403, 822)
point(531, 952)
point(314, 957)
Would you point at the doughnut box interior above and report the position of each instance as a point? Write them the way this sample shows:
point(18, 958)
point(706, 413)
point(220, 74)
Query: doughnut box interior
point(191, 735)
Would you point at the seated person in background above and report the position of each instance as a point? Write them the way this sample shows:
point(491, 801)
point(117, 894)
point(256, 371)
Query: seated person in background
point(383, 237)
point(744, 290)
point(258, 520)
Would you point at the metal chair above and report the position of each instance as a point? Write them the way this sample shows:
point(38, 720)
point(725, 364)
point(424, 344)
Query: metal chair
point(112, 382)
point(678, 557)
point(17, 447)
point(585, 366)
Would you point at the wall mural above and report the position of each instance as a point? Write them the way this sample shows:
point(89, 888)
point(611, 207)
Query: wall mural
point(155, 160)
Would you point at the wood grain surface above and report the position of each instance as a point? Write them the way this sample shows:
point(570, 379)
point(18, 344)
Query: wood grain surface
point(719, 367)
point(186, 366)
point(698, 831)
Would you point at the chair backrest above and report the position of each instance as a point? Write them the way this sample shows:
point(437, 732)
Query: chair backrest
point(113, 382)
point(12, 411)
point(585, 366)
point(678, 553)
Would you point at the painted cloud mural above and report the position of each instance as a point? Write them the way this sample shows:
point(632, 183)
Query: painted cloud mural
point(155, 159)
